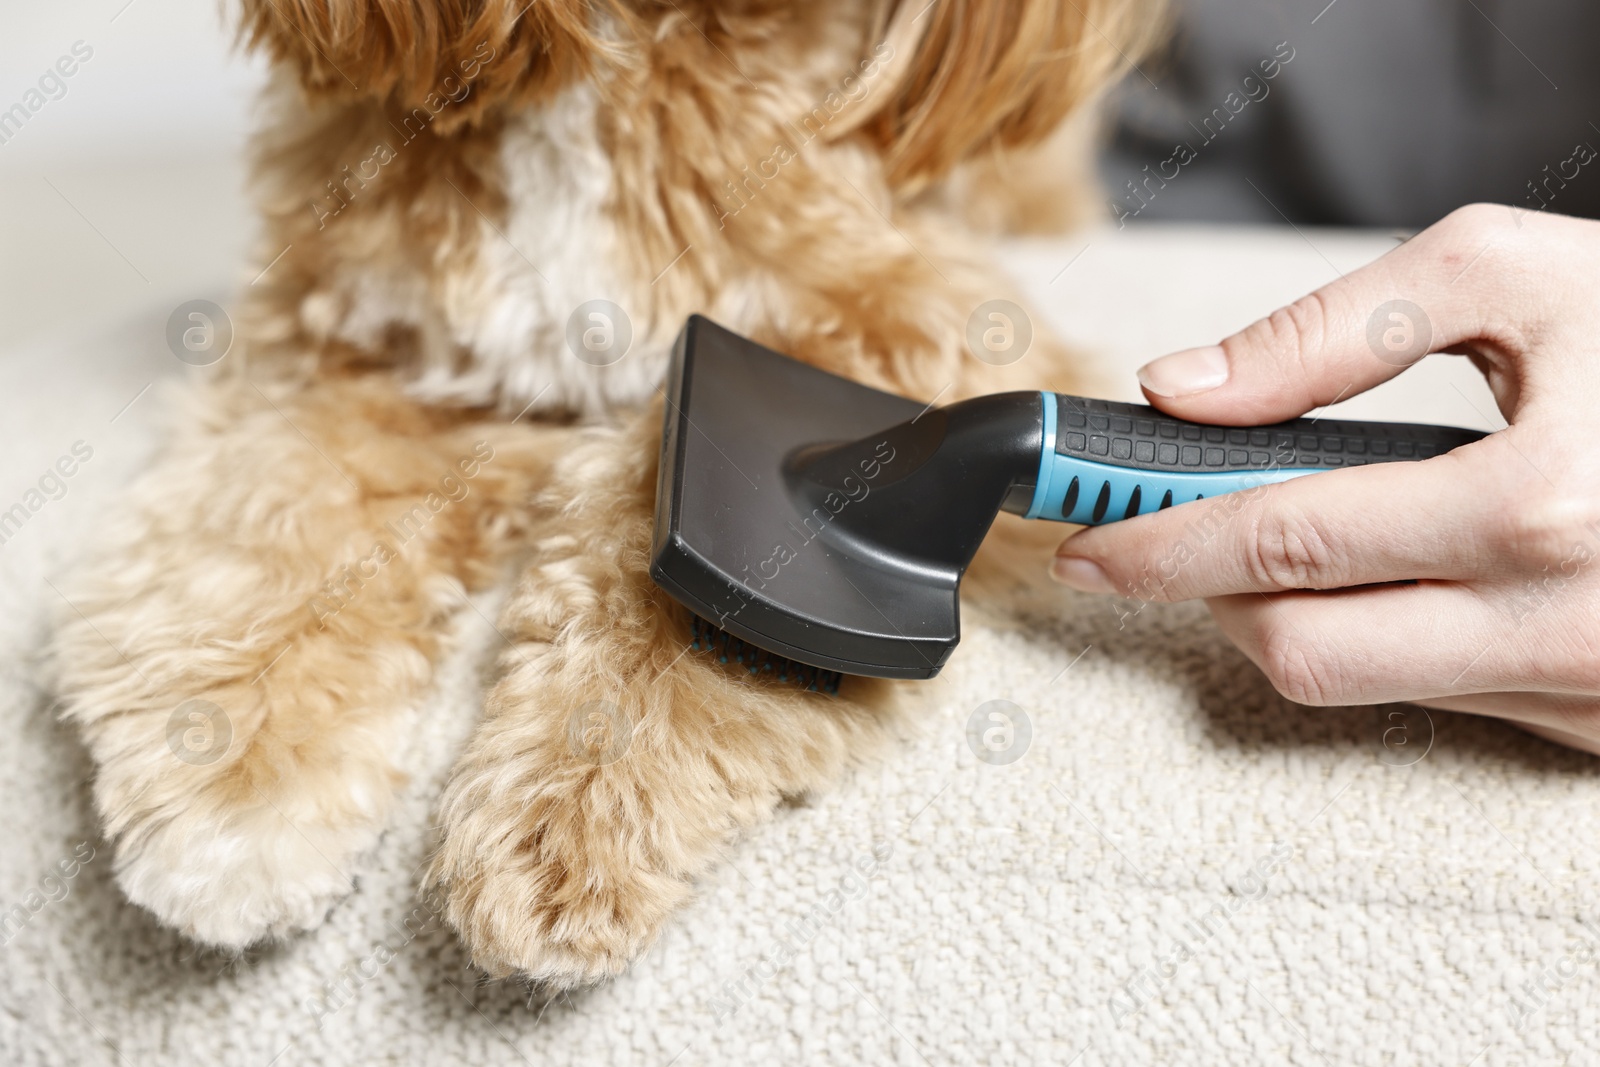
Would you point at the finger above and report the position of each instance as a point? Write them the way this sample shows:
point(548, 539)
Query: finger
point(1351, 335)
point(1567, 720)
point(1358, 526)
point(1582, 742)
point(1379, 645)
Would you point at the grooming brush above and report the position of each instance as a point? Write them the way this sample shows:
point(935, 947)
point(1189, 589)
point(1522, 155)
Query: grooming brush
point(807, 518)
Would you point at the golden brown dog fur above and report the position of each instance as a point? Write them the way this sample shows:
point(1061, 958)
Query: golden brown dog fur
point(786, 167)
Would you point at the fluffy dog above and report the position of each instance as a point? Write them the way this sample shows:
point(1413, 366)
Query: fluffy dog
point(485, 220)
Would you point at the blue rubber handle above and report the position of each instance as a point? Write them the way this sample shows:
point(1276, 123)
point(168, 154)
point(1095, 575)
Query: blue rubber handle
point(1101, 461)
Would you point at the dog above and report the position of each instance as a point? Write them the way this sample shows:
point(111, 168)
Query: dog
point(484, 222)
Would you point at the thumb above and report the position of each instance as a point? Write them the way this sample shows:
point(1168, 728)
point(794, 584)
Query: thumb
point(1341, 340)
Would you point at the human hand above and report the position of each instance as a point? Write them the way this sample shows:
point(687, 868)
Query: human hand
point(1499, 536)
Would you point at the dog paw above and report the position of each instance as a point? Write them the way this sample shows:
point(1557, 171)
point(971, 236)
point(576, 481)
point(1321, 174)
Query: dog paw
point(550, 893)
point(581, 815)
point(234, 882)
point(559, 861)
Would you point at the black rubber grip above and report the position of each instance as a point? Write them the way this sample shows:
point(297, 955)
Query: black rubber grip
point(1139, 437)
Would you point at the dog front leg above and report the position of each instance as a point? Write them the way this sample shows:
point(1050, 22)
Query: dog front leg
point(256, 622)
point(615, 762)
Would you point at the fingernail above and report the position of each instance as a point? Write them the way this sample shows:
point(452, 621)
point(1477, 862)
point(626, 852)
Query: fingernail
point(1194, 370)
point(1081, 574)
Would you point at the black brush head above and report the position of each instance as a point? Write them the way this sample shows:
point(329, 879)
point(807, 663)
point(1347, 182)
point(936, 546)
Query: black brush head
point(803, 513)
point(738, 653)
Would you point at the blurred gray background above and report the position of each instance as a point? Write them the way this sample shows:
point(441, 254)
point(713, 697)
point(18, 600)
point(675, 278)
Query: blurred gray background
point(1390, 113)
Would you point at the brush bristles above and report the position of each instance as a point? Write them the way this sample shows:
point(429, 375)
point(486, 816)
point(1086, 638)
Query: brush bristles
point(731, 649)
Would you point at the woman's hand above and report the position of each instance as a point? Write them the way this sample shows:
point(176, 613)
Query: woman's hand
point(1501, 537)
